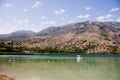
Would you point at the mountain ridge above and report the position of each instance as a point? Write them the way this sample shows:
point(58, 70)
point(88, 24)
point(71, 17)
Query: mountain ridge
point(85, 37)
point(57, 28)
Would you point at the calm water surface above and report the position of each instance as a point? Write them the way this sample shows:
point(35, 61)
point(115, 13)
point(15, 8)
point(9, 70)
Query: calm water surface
point(60, 68)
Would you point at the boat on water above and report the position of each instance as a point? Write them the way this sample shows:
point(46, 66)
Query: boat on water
point(12, 59)
point(79, 58)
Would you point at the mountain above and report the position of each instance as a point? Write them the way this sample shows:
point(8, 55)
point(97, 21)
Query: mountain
point(102, 28)
point(18, 34)
point(86, 37)
point(49, 31)
point(3, 36)
point(23, 33)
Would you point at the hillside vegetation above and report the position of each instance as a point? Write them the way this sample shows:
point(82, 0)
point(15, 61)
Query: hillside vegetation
point(85, 38)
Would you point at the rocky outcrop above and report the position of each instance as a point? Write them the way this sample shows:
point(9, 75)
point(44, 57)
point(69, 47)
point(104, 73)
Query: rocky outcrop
point(5, 77)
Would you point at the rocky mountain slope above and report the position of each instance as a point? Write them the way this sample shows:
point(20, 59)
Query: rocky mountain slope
point(85, 37)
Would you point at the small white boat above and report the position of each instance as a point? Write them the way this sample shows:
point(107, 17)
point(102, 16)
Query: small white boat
point(79, 58)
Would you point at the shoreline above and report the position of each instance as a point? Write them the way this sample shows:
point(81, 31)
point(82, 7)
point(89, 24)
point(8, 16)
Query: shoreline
point(64, 55)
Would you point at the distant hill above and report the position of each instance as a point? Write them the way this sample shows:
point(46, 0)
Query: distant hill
point(18, 34)
point(85, 37)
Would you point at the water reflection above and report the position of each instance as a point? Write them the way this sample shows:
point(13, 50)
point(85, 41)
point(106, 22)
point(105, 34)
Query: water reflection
point(88, 68)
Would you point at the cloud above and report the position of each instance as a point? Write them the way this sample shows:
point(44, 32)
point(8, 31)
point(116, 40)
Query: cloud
point(114, 9)
point(24, 10)
point(7, 28)
point(83, 16)
point(20, 21)
point(105, 18)
point(71, 21)
point(118, 19)
point(63, 19)
point(1, 20)
point(37, 4)
point(87, 8)
point(26, 21)
point(7, 5)
point(60, 12)
point(32, 24)
point(48, 22)
point(108, 16)
point(43, 17)
point(45, 24)
point(100, 18)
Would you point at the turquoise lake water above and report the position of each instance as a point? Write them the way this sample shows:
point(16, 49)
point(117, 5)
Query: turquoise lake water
point(37, 67)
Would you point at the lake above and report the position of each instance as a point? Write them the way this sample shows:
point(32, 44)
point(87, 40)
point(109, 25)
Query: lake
point(37, 67)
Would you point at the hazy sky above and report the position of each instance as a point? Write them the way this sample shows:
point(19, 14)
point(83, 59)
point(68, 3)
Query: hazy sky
point(38, 14)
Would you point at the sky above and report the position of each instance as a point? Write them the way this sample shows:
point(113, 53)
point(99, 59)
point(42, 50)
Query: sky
point(37, 15)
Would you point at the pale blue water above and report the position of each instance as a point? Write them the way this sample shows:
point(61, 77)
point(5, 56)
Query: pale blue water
point(36, 67)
